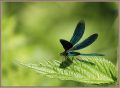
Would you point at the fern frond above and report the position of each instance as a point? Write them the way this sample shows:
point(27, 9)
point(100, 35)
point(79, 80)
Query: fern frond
point(102, 72)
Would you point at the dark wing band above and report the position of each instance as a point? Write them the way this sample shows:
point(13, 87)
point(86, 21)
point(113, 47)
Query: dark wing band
point(66, 45)
point(86, 42)
point(78, 32)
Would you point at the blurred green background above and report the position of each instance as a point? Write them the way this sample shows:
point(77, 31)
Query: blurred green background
point(31, 32)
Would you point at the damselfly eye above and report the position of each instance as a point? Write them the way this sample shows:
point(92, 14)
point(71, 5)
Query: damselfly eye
point(61, 54)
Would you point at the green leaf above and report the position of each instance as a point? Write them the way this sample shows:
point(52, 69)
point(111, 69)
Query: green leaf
point(101, 72)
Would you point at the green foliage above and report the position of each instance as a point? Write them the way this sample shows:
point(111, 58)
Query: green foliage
point(101, 72)
point(32, 30)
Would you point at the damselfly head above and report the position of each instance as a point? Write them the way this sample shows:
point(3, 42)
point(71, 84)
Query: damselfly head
point(63, 53)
